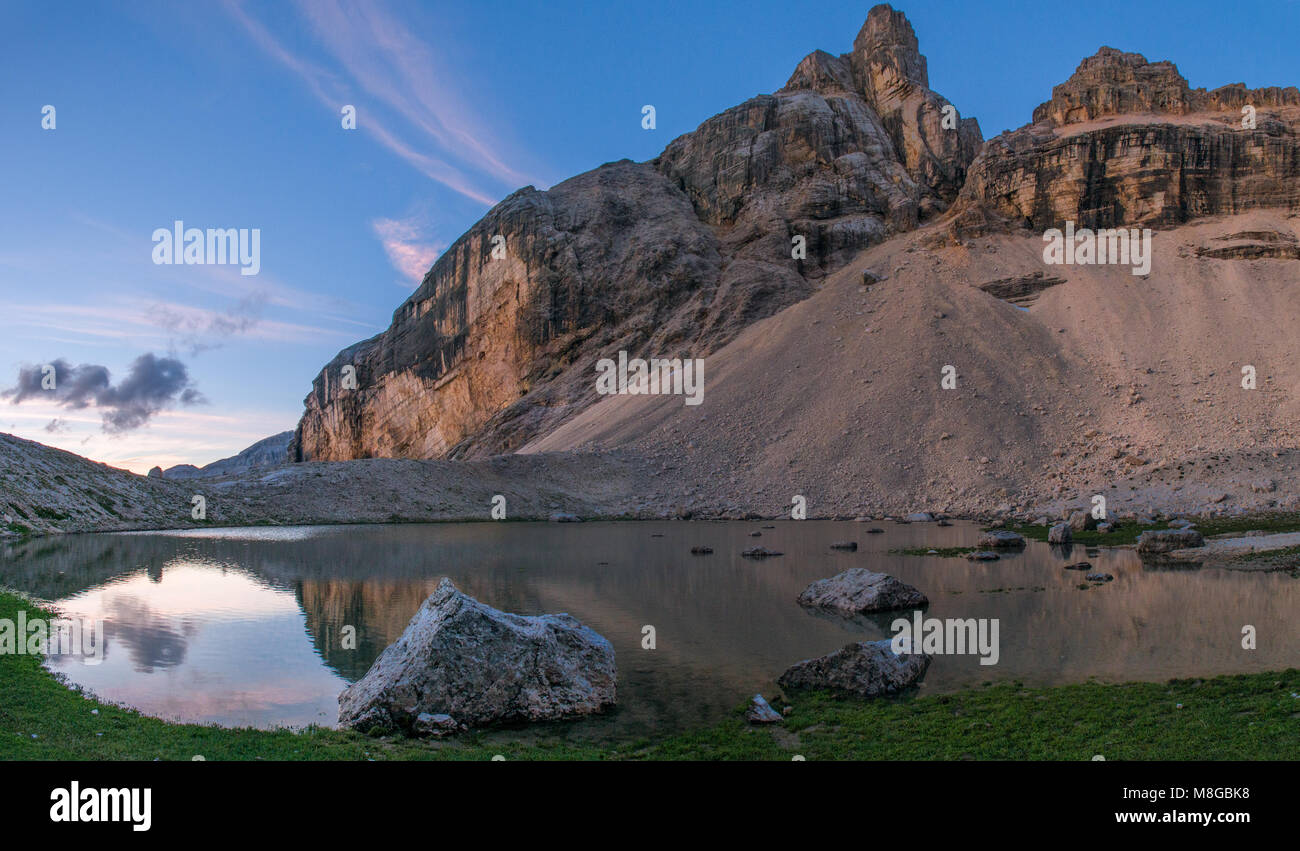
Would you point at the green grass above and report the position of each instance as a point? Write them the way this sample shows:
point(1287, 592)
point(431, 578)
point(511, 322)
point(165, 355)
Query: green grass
point(1286, 553)
point(1127, 532)
point(1251, 717)
point(1272, 523)
point(944, 552)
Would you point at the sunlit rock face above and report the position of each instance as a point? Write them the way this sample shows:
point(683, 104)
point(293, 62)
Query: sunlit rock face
point(611, 258)
point(1126, 141)
point(670, 258)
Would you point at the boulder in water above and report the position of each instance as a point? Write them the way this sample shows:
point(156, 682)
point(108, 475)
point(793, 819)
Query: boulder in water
point(865, 669)
point(461, 663)
point(1000, 538)
point(860, 590)
point(1155, 541)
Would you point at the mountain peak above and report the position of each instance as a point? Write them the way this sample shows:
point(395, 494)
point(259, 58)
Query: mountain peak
point(887, 46)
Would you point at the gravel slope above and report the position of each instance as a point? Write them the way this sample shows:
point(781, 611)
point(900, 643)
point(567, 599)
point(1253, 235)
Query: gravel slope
point(1108, 383)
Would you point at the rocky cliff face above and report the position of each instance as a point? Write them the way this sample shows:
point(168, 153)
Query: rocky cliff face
point(1125, 141)
point(662, 259)
point(611, 258)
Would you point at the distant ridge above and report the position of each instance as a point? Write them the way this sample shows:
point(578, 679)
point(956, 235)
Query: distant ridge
point(268, 452)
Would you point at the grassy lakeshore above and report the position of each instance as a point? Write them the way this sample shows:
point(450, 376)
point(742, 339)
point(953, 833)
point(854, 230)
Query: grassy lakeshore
point(1237, 717)
point(1127, 531)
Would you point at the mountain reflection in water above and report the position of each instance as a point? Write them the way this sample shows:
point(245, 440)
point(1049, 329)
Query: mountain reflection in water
point(247, 626)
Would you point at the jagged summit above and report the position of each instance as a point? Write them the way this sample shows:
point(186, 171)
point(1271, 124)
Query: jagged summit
point(888, 73)
point(887, 43)
point(886, 49)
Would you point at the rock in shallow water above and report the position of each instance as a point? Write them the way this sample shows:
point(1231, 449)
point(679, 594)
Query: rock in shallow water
point(1060, 534)
point(461, 663)
point(1000, 538)
point(865, 669)
point(1166, 540)
point(983, 555)
point(860, 590)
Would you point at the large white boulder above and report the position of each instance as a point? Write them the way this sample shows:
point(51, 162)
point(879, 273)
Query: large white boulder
point(480, 666)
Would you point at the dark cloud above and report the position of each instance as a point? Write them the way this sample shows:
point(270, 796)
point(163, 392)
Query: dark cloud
point(75, 386)
point(152, 384)
point(204, 331)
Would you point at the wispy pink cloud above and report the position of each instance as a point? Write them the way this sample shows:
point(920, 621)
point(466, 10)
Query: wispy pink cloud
point(407, 247)
point(380, 64)
point(381, 54)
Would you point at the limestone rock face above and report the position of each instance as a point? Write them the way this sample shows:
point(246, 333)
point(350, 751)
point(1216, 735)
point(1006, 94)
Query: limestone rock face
point(461, 664)
point(614, 258)
point(865, 669)
point(1128, 142)
point(665, 259)
point(794, 163)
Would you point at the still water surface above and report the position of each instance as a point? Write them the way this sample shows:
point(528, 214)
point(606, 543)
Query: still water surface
point(245, 626)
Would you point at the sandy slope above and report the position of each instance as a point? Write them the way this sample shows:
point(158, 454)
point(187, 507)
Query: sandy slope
point(838, 397)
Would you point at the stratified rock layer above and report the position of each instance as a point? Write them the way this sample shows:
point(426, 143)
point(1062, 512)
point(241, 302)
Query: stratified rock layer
point(1125, 141)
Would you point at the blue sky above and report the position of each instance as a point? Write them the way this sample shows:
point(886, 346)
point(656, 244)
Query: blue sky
point(227, 114)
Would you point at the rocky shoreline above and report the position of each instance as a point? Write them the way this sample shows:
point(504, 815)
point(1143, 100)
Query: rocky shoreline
point(48, 491)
